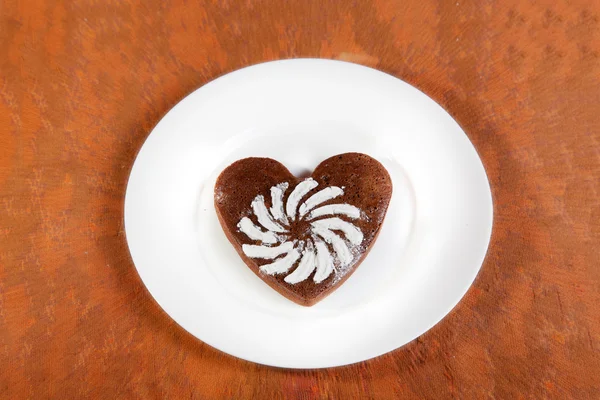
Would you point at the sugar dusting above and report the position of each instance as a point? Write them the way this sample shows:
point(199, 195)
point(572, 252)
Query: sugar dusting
point(338, 232)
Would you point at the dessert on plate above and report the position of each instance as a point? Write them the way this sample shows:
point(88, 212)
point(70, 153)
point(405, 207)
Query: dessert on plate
point(303, 236)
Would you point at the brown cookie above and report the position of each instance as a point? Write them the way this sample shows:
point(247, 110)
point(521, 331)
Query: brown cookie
point(303, 237)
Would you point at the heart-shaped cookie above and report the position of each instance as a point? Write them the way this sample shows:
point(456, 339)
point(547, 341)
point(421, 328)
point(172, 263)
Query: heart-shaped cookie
point(303, 237)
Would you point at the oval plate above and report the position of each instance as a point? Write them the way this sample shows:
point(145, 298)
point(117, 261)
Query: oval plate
point(300, 112)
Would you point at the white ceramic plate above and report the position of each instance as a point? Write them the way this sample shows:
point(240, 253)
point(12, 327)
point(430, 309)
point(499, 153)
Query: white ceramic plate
point(301, 112)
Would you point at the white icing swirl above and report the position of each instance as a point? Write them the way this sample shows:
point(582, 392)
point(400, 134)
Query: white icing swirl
point(247, 227)
point(277, 202)
point(324, 262)
point(320, 197)
point(254, 251)
point(312, 254)
point(263, 215)
point(305, 268)
point(335, 209)
point(339, 245)
point(353, 234)
point(282, 265)
point(297, 194)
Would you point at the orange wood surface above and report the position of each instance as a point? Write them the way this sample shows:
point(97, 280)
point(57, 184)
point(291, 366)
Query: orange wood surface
point(83, 82)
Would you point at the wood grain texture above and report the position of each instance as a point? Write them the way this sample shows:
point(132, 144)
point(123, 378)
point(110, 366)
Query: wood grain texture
point(83, 82)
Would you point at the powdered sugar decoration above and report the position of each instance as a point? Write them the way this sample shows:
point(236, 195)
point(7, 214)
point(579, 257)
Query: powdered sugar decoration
point(320, 249)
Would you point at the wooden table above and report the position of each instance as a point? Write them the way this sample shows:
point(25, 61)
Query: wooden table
point(82, 83)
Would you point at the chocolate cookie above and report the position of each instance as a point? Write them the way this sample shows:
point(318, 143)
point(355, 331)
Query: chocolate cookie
point(303, 237)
